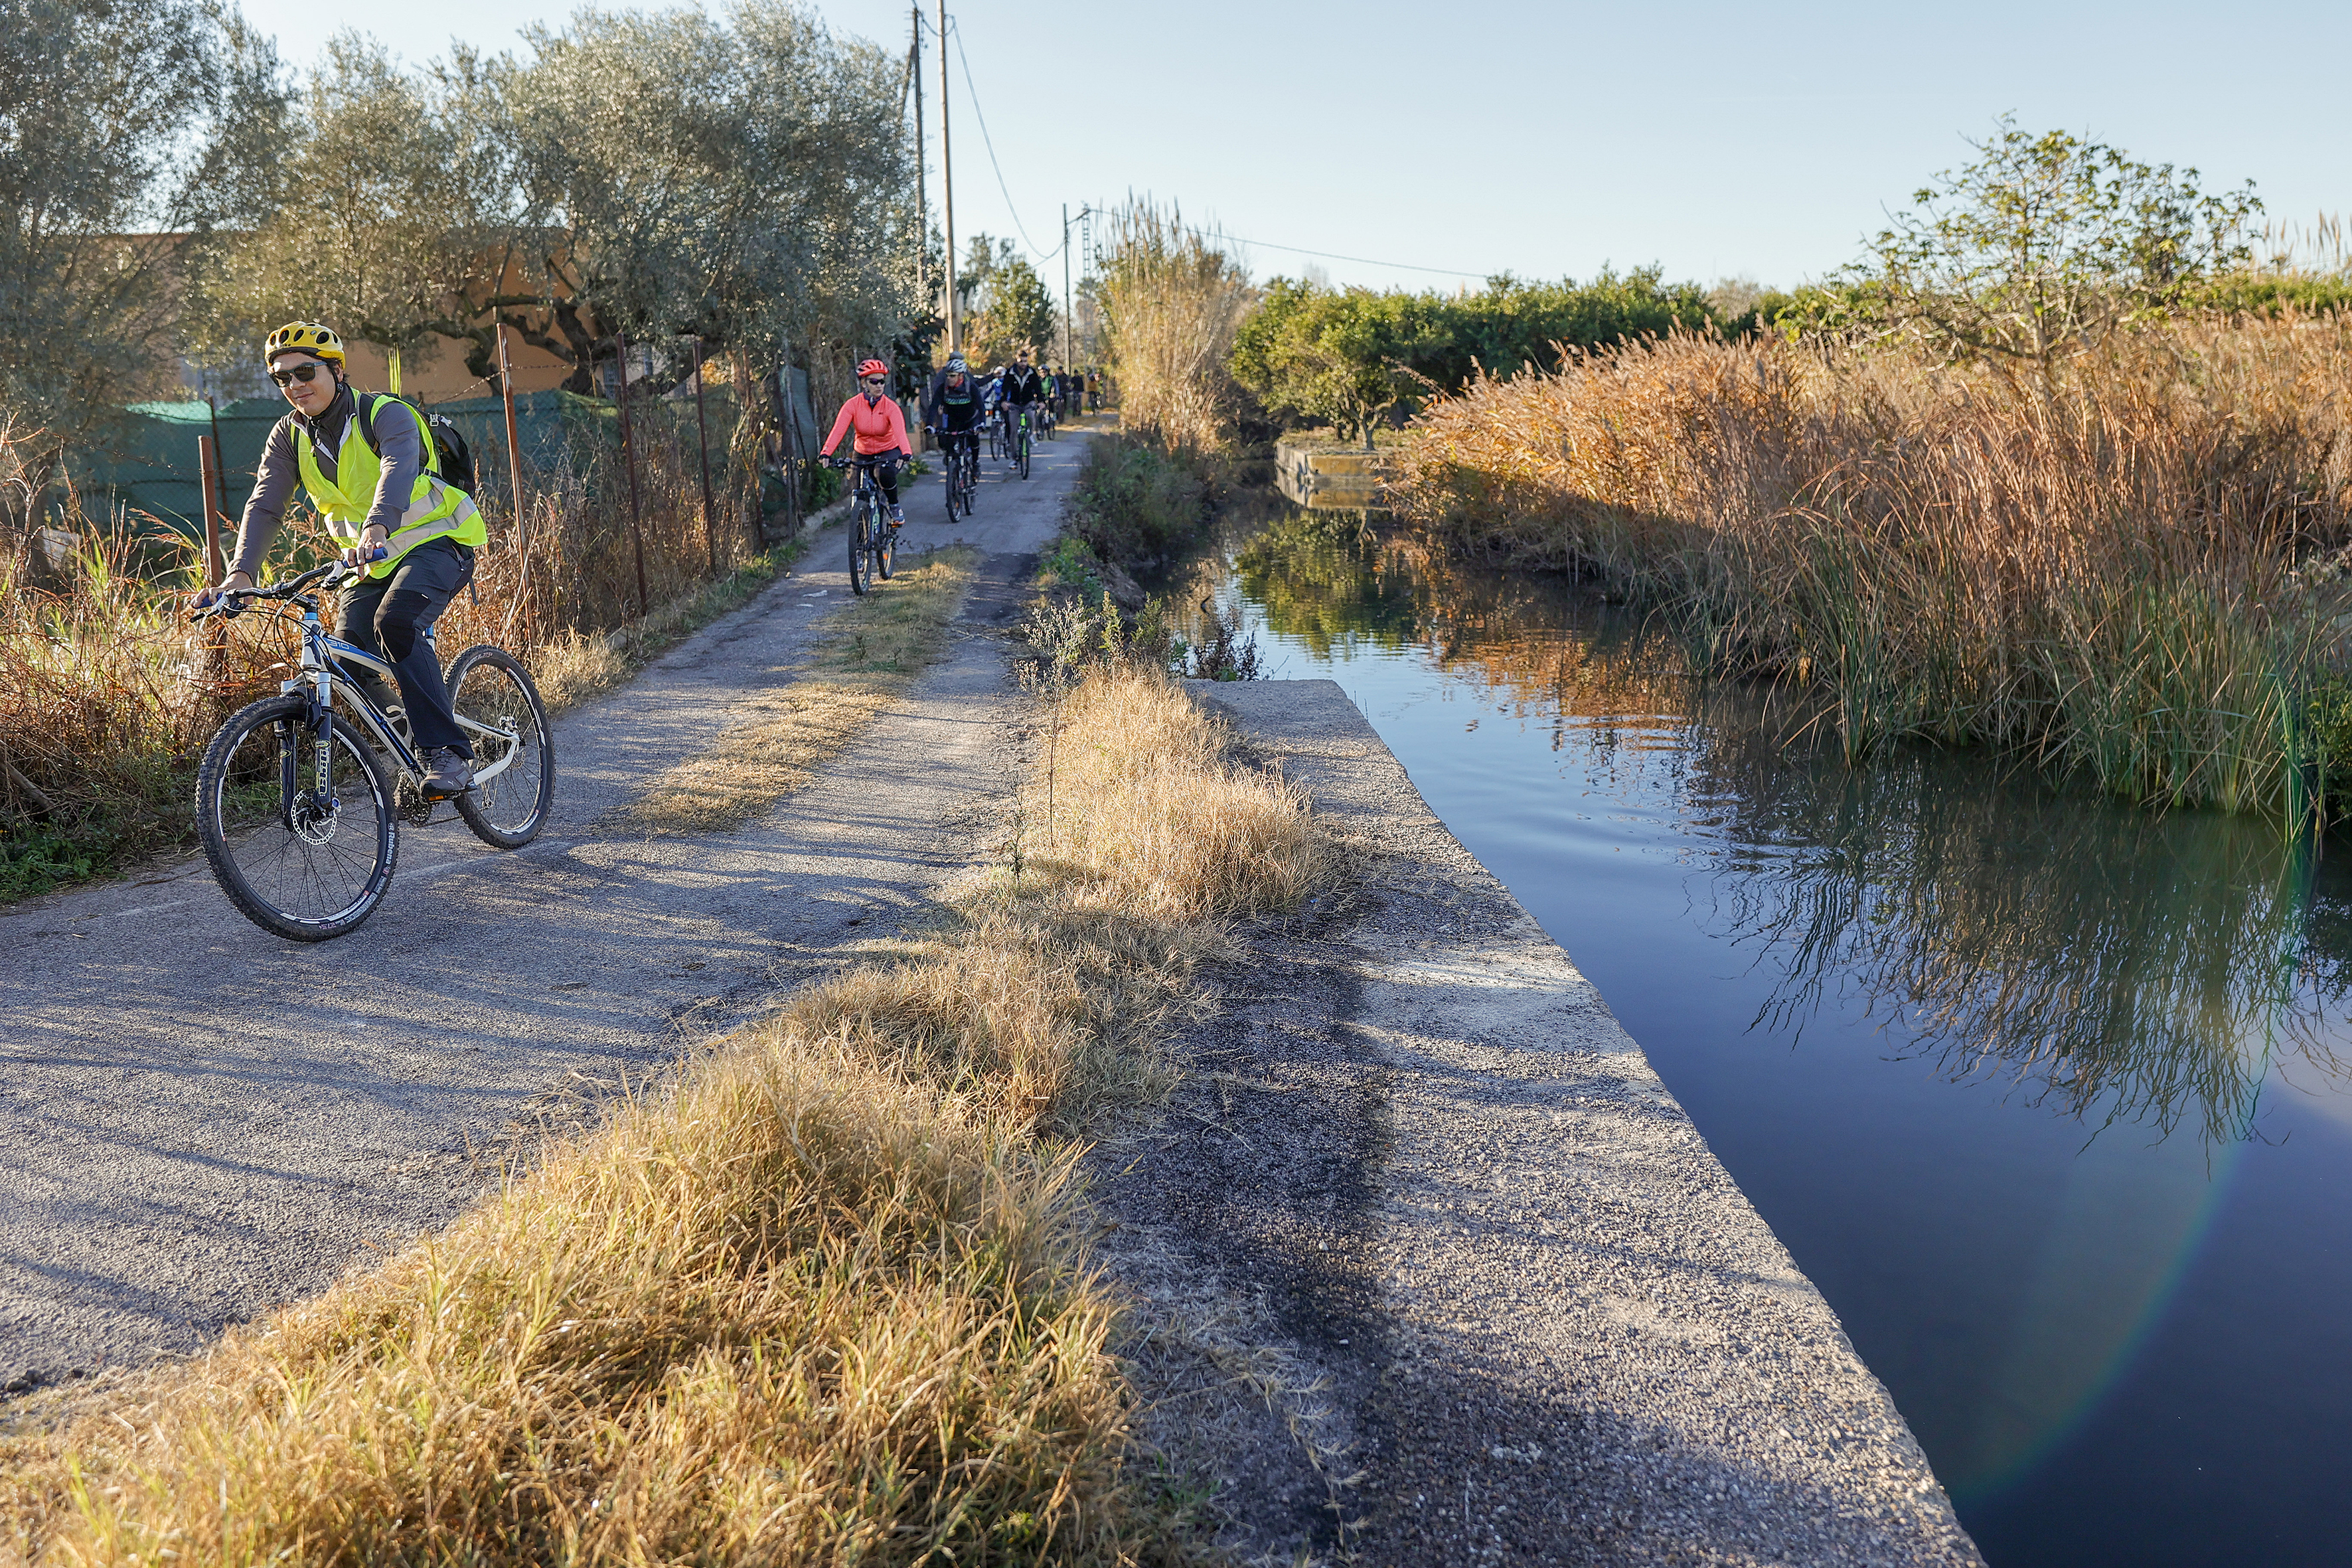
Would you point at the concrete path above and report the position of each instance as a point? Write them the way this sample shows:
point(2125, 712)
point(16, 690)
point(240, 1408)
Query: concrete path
point(1510, 1307)
point(201, 1120)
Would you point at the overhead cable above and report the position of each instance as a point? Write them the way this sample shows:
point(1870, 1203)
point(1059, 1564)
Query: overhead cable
point(1364, 260)
point(955, 31)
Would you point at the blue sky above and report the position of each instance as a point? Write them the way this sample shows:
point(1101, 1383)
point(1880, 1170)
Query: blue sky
point(1553, 139)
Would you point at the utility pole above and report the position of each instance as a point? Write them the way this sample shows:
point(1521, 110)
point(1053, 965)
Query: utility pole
point(947, 184)
point(1066, 291)
point(922, 215)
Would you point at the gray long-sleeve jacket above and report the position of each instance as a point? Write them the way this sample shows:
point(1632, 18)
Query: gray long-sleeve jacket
point(280, 475)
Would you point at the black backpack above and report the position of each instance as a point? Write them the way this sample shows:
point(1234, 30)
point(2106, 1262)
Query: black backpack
point(450, 458)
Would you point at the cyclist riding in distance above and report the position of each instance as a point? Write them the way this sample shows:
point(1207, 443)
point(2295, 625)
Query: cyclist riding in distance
point(414, 533)
point(1021, 385)
point(881, 427)
point(953, 406)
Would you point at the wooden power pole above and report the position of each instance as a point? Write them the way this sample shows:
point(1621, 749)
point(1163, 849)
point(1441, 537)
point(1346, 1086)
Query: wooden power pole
point(947, 184)
point(922, 215)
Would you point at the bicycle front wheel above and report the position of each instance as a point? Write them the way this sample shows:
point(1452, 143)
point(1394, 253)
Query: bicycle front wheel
point(504, 720)
point(953, 484)
point(861, 542)
point(1021, 457)
point(296, 861)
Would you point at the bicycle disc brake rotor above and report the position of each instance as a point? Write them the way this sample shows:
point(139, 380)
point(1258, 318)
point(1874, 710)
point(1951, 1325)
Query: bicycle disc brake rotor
point(313, 824)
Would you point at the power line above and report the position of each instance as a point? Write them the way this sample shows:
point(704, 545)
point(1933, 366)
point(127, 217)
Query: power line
point(1365, 260)
point(955, 30)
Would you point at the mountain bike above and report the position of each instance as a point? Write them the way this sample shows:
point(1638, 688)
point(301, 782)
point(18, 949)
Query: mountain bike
point(873, 543)
point(299, 806)
point(962, 480)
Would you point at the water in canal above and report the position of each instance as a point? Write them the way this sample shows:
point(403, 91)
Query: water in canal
point(2051, 1097)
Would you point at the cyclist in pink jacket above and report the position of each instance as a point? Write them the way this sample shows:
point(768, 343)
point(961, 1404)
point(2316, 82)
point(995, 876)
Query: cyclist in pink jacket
point(881, 427)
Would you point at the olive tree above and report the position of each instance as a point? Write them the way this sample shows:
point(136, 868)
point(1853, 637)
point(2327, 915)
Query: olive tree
point(129, 132)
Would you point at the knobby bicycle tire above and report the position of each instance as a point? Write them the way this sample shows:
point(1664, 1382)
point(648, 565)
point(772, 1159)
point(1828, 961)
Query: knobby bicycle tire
point(265, 846)
point(490, 685)
point(861, 530)
point(886, 549)
point(953, 484)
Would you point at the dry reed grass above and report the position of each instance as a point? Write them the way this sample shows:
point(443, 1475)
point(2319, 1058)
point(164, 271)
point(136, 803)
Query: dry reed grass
point(1171, 302)
point(826, 1303)
point(2112, 572)
point(874, 649)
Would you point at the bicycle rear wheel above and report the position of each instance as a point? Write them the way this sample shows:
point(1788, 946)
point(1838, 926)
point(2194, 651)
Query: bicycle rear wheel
point(861, 537)
point(488, 686)
point(886, 549)
point(295, 862)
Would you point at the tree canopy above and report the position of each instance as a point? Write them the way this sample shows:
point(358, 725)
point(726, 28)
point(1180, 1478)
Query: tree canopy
point(2039, 245)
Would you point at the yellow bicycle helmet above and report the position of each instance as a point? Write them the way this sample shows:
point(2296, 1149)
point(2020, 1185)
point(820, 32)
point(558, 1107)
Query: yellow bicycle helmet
point(307, 337)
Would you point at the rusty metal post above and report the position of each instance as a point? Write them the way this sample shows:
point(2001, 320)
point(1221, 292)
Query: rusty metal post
point(702, 441)
point(208, 467)
point(629, 461)
point(514, 473)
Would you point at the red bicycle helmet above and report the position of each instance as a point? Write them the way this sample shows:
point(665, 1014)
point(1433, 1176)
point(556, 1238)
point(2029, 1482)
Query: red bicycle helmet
point(872, 367)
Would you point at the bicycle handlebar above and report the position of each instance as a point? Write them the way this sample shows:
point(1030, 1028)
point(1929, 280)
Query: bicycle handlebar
point(233, 602)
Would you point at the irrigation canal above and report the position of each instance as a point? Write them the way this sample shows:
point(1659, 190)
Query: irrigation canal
point(2051, 1098)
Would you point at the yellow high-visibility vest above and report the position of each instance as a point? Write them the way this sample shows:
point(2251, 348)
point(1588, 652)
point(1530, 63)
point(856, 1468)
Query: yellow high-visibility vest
point(436, 509)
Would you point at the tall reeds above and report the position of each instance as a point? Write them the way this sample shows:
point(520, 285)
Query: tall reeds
point(1171, 301)
point(2125, 569)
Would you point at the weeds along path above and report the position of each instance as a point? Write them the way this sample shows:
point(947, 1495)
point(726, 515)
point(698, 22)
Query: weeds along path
point(203, 1120)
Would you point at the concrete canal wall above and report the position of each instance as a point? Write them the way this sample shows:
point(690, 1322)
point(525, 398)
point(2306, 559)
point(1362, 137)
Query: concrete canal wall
point(1321, 474)
point(1534, 1318)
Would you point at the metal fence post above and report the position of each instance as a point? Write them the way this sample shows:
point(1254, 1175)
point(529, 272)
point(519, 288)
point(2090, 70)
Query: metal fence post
point(629, 461)
point(208, 470)
point(514, 472)
point(702, 442)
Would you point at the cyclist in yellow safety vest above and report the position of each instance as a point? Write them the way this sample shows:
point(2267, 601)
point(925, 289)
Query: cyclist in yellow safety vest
point(414, 532)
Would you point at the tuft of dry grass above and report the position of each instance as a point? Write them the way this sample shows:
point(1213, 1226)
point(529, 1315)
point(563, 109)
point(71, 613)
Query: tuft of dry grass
point(2109, 571)
point(1137, 842)
point(875, 649)
point(825, 1302)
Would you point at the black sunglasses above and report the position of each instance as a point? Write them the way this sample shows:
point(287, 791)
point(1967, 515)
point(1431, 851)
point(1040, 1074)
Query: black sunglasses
point(875, 380)
point(304, 373)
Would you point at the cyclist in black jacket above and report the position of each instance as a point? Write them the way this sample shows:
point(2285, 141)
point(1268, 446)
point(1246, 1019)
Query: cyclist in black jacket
point(1022, 388)
point(954, 405)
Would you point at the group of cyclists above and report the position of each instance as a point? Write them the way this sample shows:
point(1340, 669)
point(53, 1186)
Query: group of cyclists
point(960, 404)
point(957, 407)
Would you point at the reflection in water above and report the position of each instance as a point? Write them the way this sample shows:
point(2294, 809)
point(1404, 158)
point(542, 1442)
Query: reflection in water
point(2042, 1091)
point(2115, 967)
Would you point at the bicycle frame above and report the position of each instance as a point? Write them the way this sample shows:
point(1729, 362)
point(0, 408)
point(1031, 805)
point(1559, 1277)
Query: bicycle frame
point(319, 653)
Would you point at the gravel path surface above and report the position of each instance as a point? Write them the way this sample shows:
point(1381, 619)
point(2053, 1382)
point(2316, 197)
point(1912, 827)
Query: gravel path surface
point(1476, 1290)
point(202, 1120)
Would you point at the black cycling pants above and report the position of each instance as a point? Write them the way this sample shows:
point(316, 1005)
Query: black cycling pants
point(392, 618)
